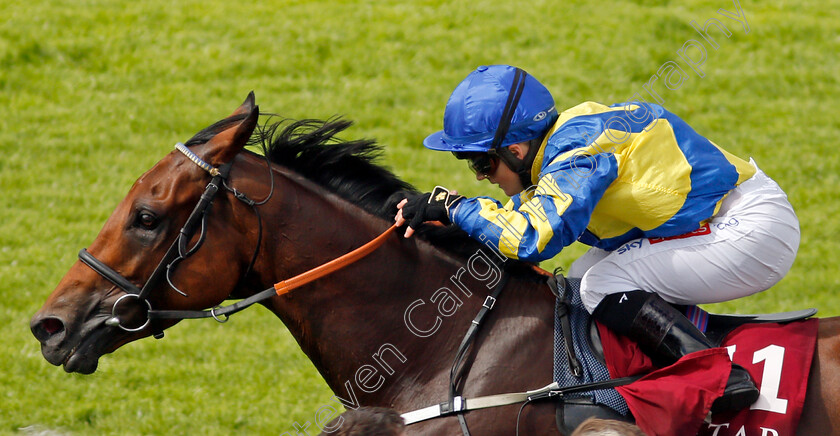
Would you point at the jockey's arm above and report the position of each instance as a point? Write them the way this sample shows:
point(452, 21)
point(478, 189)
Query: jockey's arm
point(538, 223)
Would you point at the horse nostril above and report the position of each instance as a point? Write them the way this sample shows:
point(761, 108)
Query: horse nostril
point(52, 326)
point(47, 328)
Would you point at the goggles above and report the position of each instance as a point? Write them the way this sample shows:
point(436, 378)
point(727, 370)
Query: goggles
point(482, 164)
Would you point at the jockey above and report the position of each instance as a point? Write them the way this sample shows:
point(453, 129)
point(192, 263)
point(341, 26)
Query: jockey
point(671, 216)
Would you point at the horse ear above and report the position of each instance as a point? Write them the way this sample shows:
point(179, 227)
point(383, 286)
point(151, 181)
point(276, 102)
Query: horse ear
point(247, 106)
point(224, 146)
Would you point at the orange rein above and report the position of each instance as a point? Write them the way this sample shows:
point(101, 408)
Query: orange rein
point(332, 266)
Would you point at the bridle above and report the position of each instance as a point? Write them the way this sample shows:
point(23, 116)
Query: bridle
point(179, 251)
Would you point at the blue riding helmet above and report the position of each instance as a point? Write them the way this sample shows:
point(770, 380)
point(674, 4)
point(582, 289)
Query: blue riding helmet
point(475, 108)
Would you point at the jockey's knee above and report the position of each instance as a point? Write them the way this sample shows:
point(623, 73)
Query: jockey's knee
point(601, 280)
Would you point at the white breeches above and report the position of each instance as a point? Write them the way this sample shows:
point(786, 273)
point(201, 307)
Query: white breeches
point(747, 247)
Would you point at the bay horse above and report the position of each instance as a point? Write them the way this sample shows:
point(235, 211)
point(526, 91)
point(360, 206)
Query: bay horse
point(383, 331)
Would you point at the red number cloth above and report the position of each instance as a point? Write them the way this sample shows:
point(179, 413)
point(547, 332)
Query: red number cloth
point(779, 359)
point(675, 400)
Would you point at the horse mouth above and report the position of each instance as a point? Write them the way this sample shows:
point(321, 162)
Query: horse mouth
point(76, 344)
point(82, 351)
point(84, 357)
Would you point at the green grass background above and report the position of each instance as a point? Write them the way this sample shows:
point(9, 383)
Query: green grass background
point(94, 92)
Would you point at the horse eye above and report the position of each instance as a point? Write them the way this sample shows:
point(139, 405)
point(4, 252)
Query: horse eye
point(147, 220)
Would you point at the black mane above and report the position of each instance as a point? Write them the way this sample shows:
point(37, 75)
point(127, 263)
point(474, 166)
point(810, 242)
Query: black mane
point(347, 168)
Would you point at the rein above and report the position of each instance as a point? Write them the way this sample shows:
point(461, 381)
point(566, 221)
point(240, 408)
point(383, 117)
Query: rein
point(179, 251)
point(281, 287)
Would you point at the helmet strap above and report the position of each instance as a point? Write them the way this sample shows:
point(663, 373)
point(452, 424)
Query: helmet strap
point(522, 167)
point(528, 161)
point(510, 108)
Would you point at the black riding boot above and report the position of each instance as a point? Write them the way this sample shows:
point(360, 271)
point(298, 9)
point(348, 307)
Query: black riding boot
point(666, 335)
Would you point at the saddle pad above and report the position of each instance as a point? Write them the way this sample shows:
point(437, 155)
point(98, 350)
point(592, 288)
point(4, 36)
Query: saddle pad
point(674, 400)
point(779, 360)
point(593, 369)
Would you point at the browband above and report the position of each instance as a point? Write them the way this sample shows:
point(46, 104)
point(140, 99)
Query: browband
point(198, 161)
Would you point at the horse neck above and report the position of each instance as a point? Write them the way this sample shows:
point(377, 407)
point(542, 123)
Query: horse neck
point(353, 323)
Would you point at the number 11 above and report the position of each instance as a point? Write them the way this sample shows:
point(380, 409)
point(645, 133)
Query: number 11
point(771, 377)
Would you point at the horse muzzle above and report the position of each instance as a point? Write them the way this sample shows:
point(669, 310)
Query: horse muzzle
point(78, 350)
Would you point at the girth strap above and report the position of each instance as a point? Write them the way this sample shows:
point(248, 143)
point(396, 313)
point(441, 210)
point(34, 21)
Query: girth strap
point(553, 391)
point(457, 405)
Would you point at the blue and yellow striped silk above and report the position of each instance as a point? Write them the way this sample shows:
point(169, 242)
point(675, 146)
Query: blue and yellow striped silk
point(606, 175)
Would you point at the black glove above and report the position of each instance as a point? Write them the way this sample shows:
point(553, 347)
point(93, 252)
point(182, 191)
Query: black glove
point(431, 206)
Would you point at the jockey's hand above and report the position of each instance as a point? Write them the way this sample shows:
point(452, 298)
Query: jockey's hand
point(431, 206)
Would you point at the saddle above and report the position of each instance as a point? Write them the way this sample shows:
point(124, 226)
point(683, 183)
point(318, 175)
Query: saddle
point(571, 412)
point(719, 325)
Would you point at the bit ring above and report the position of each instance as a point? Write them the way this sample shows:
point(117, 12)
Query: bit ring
point(115, 320)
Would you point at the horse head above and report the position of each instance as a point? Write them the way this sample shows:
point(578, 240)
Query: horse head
point(145, 256)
